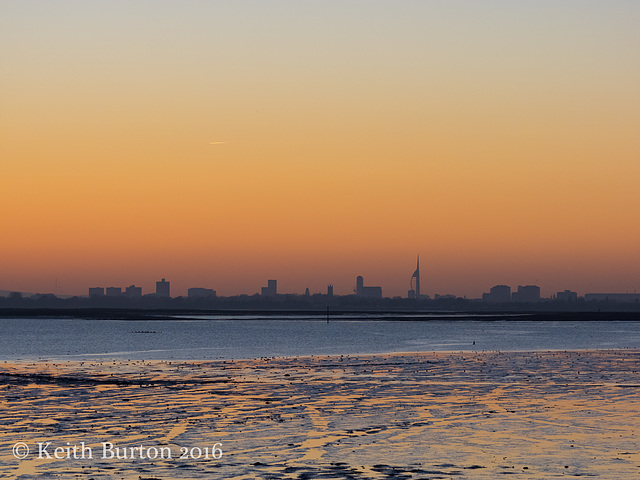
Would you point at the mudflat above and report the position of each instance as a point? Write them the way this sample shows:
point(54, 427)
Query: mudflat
point(458, 415)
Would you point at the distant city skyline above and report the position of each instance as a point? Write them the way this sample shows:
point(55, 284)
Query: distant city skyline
point(496, 294)
point(342, 286)
point(222, 144)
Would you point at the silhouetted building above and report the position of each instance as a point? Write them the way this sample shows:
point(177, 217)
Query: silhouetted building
point(527, 293)
point(271, 290)
point(163, 288)
point(114, 291)
point(498, 294)
point(613, 297)
point(197, 292)
point(369, 292)
point(414, 292)
point(330, 290)
point(133, 292)
point(444, 297)
point(96, 292)
point(359, 284)
point(567, 296)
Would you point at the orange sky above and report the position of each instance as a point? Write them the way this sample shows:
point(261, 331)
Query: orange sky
point(219, 144)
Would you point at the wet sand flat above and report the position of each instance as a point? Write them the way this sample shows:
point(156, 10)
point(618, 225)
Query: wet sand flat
point(476, 415)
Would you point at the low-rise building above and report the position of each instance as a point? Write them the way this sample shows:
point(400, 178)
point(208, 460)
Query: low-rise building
point(197, 292)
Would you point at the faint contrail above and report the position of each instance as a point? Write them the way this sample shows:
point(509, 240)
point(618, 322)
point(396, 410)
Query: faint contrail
point(216, 143)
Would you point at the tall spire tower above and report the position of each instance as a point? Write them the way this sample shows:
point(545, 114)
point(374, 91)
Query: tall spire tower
point(415, 291)
point(416, 275)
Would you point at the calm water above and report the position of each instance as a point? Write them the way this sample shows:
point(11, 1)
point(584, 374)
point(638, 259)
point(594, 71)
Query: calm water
point(229, 337)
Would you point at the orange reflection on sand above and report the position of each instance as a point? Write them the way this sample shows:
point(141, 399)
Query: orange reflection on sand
point(415, 416)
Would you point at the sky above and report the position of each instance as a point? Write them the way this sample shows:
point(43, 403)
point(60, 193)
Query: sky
point(220, 144)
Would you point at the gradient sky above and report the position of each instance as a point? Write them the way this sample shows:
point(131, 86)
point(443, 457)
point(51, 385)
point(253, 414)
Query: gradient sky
point(222, 143)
